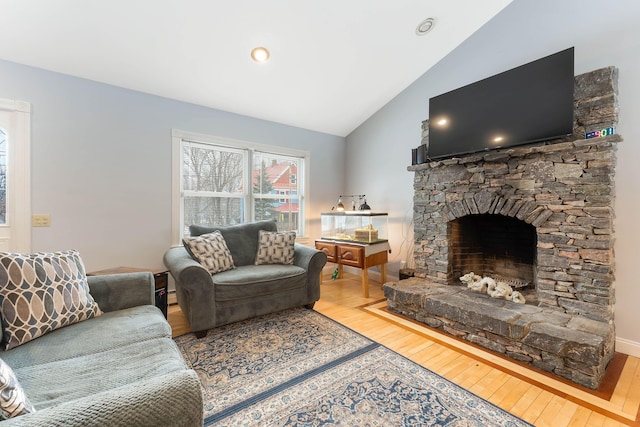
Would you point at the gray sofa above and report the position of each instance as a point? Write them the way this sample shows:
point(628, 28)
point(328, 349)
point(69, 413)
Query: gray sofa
point(210, 300)
point(119, 369)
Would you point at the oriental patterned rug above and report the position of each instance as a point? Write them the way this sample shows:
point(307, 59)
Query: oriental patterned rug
point(300, 368)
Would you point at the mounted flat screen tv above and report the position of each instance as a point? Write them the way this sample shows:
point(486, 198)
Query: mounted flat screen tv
point(530, 103)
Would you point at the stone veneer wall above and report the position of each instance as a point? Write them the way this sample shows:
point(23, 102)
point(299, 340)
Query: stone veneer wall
point(566, 191)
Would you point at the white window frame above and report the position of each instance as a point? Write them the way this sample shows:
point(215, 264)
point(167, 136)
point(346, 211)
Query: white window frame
point(18, 225)
point(179, 137)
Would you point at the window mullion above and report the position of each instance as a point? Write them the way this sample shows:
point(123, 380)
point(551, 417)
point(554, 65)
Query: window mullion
point(248, 186)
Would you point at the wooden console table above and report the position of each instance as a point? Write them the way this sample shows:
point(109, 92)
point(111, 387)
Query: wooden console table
point(360, 255)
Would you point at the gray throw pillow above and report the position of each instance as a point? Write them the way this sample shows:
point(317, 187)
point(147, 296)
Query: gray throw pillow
point(211, 251)
point(13, 401)
point(41, 292)
point(275, 247)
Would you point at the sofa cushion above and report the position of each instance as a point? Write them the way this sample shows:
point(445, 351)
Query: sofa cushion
point(109, 331)
point(241, 239)
point(210, 250)
point(41, 292)
point(13, 400)
point(257, 281)
point(275, 247)
point(76, 377)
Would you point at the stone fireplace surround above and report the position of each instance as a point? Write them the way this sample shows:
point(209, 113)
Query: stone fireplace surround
point(565, 191)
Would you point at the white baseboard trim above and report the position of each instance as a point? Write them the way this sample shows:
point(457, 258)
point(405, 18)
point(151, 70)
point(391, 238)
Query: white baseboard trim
point(625, 346)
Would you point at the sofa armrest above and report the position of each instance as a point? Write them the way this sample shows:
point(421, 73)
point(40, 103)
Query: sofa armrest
point(313, 261)
point(119, 291)
point(167, 400)
point(185, 270)
point(309, 258)
point(194, 287)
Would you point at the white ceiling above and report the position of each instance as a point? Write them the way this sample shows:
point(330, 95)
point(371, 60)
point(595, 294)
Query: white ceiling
point(333, 62)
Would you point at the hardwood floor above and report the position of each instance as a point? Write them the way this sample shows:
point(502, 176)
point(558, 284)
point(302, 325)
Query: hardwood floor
point(534, 396)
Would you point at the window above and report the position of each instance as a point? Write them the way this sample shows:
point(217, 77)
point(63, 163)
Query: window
point(3, 176)
point(224, 182)
point(212, 184)
point(15, 184)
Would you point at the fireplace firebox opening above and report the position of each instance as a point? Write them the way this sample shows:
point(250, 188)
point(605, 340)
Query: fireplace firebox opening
point(497, 246)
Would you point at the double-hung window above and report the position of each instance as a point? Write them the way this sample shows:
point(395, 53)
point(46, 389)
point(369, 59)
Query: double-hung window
point(217, 181)
point(3, 176)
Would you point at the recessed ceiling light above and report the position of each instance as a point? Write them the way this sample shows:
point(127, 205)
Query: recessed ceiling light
point(425, 26)
point(260, 54)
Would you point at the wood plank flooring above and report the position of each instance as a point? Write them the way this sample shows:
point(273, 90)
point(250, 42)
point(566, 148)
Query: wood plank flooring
point(534, 396)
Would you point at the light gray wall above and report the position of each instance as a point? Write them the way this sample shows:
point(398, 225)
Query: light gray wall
point(101, 163)
point(603, 32)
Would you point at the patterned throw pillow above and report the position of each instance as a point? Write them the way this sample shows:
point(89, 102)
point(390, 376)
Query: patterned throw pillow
point(275, 247)
point(13, 401)
point(211, 251)
point(40, 292)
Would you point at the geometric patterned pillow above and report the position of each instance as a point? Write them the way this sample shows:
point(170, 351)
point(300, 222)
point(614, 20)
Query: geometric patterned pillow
point(275, 247)
point(13, 401)
point(40, 292)
point(211, 251)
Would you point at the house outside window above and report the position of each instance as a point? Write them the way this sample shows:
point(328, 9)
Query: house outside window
point(217, 181)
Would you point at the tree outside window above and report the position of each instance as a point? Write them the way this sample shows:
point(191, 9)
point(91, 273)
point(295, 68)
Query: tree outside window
point(212, 182)
point(263, 208)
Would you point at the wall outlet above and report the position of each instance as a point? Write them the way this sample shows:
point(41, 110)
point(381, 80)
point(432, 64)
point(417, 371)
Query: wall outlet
point(41, 220)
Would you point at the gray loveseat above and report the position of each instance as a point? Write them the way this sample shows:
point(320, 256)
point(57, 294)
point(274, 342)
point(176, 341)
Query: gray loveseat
point(119, 369)
point(248, 290)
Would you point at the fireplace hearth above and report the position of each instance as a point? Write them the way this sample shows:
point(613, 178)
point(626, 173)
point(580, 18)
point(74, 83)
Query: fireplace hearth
point(540, 216)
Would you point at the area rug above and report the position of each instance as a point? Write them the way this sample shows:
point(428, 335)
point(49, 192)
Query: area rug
point(300, 368)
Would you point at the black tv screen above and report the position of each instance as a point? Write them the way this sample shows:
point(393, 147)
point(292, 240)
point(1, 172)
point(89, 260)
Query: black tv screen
point(530, 103)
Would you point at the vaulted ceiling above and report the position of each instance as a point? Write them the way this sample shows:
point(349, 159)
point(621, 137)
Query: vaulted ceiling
point(333, 63)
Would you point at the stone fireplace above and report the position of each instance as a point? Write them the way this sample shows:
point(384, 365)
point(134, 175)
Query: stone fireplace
point(539, 217)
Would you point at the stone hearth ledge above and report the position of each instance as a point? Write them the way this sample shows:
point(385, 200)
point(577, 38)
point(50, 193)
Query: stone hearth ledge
point(570, 346)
